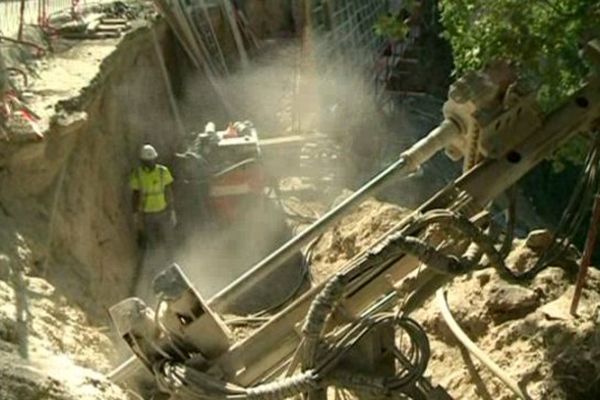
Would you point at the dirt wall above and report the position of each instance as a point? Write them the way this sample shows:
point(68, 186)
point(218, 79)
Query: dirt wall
point(99, 101)
point(69, 192)
point(93, 211)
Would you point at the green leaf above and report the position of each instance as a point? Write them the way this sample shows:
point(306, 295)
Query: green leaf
point(391, 27)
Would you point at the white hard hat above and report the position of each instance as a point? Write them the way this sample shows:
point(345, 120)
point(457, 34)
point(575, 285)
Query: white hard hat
point(148, 153)
point(210, 128)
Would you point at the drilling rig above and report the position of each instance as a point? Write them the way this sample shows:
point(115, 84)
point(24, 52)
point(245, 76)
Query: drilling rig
point(341, 333)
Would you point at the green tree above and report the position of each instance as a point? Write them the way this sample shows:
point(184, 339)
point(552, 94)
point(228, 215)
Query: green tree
point(391, 27)
point(542, 36)
point(544, 39)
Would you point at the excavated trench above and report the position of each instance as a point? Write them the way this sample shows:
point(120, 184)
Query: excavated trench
point(65, 213)
point(78, 174)
point(65, 199)
point(65, 209)
point(68, 194)
point(72, 187)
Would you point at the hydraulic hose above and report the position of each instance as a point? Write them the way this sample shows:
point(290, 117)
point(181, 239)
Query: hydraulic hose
point(464, 226)
point(320, 360)
point(320, 351)
point(462, 337)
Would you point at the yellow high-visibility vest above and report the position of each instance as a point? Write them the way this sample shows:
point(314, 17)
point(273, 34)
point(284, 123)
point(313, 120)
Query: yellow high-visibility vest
point(151, 185)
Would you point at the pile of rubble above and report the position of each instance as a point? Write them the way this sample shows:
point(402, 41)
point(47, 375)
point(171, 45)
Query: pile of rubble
point(353, 234)
point(98, 21)
point(48, 349)
point(525, 328)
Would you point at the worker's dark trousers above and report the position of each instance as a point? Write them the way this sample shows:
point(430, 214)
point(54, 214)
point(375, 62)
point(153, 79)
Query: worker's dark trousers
point(159, 231)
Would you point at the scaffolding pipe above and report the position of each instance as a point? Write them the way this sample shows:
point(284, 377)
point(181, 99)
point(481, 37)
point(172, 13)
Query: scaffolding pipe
point(230, 13)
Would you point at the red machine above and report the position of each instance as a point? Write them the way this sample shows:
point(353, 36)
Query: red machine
point(239, 177)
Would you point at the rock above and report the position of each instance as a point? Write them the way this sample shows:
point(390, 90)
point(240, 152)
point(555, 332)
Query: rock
point(539, 239)
point(504, 298)
point(522, 259)
point(483, 276)
point(8, 331)
point(557, 309)
point(550, 282)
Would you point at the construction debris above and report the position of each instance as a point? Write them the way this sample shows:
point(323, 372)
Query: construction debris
point(64, 356)
point(527, 331)
point(99, 22)
point(353, 234)
point(95, 26)
point(16, 117)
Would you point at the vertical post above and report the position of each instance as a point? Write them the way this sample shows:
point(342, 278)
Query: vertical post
point(587, 254)
point(168, 86)
point(21, 20)
point(230, 13)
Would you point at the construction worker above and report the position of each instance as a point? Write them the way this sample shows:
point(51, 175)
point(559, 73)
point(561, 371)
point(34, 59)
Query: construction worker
point(154, 214)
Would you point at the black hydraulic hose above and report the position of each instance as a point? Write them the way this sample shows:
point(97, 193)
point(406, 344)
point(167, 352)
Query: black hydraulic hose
point(576, 209)
point(464, 226)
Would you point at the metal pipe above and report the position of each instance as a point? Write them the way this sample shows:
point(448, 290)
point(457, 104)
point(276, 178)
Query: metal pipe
point(409, 161)
point(257, 274)
point(590, 243)
point(419, 153)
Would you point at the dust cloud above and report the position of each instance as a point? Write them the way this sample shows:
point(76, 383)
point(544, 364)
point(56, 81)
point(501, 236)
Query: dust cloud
point(215, 256)
point(290, 89)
